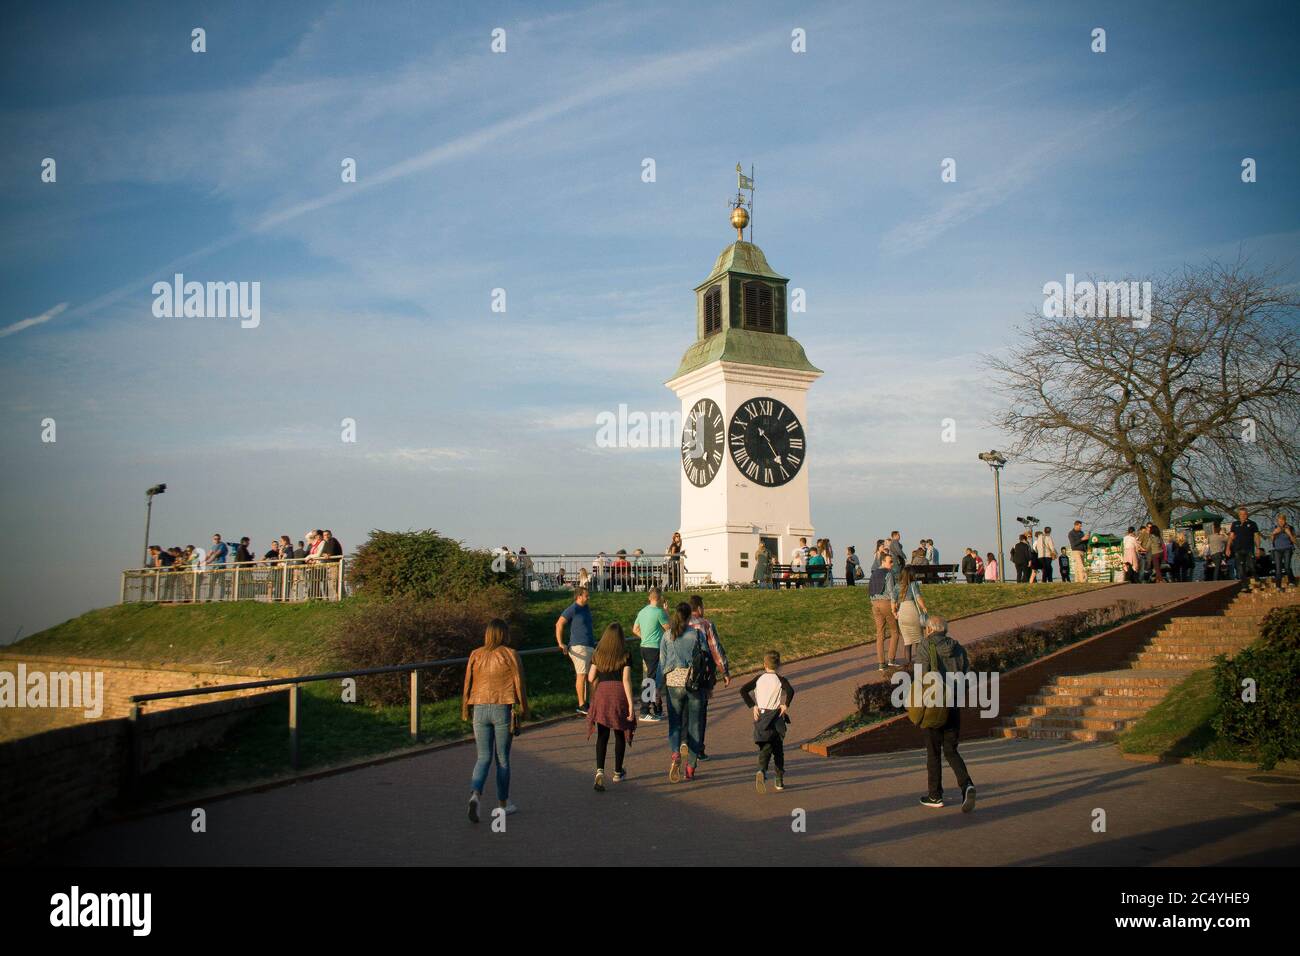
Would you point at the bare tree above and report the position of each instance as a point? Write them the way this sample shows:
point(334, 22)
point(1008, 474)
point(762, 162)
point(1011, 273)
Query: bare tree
point(1200, 408)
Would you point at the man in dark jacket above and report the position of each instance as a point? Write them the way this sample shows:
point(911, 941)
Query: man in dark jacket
point(333, 548)
point(1021, 556)
point(952, 659)
point(968, 567)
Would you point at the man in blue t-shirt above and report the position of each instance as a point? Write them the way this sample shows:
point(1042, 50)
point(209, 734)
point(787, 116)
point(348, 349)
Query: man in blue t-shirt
point(582, 641)
point(215, 560)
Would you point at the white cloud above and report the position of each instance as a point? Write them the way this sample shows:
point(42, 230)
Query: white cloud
point(34, 320)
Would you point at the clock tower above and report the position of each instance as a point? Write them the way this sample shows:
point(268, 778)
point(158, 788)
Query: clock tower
point(743, 386)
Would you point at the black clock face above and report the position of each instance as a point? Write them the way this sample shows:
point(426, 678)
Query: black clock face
point(702, 442)
point(767, 441)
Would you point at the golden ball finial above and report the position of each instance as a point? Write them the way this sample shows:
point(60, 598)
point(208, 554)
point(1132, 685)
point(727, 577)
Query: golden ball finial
point(739, 220)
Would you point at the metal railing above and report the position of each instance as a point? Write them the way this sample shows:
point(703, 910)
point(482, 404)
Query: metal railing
point(294, 684)
point(554, 572)
point(289, 581)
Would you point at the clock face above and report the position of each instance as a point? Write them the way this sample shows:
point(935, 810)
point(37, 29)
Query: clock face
point(767, 441)
point(702, 443)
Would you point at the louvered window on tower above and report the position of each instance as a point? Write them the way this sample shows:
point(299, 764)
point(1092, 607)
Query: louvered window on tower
point(713, 310)
point(758, 306)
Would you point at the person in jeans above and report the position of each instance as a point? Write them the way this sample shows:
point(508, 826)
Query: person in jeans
point(713, 643)
point(883, 589)
point(675, 654)
point(215, 560)
point(952, 659)
point(649, 627)
point(612, 707)
point(494, 687)
point(1283, 536)
point(582, 642)
point(768, 696)
point(1243, 541)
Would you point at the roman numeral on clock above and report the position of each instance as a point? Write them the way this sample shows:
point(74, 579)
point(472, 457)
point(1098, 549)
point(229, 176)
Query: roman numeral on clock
point(767, 441)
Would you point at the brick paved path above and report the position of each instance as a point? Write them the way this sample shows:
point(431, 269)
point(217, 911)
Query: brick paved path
point(1036, 800)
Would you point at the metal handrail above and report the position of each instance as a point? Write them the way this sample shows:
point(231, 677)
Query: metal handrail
point(287, 580)
point(224, 565)
point(316, 678)
point(295, 691)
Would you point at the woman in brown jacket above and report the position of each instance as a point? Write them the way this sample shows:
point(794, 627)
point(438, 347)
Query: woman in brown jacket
point(494, 684)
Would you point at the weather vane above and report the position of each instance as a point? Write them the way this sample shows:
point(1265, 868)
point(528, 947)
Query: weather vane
point(742, 213)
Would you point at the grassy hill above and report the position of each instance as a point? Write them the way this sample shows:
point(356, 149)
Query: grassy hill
point(247, 636)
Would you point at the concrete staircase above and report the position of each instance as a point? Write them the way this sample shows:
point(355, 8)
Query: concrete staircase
point(1101, 706)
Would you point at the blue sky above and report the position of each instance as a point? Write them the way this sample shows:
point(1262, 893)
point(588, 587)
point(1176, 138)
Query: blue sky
point(522, 171)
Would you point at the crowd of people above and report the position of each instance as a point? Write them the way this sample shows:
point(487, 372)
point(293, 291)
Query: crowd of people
point(624, 570)
point(1243, 553)
point(683, 660)
point(283, 572)
point(317, 545)
point(812, 565)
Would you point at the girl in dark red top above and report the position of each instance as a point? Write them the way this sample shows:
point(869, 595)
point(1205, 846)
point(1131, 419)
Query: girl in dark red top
point(611, 707)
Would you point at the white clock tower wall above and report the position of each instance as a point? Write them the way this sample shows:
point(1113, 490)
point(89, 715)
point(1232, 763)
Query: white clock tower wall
point(722, 523)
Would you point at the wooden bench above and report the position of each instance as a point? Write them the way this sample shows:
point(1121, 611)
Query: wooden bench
point(785, 575)
point(933, 573)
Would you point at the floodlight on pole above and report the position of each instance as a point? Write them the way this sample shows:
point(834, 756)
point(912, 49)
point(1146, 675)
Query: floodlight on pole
point(996, 460)
point(148, 515)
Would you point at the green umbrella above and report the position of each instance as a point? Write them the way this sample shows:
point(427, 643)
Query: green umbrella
point(1194, 518)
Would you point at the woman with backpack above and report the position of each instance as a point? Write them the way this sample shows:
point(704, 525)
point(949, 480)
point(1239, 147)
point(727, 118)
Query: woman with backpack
point(715, 664)
point(911, 611)
point(677, 660)
point(612, 707)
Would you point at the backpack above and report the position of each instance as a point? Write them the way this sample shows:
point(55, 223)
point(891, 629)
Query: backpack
point(927, 718)
point(703, 672)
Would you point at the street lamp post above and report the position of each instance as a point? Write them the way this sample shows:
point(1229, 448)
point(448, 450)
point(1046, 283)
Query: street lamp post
point(148, 516)
point(995, 460)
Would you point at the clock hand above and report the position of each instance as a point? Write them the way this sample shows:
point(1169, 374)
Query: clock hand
point(775, 457)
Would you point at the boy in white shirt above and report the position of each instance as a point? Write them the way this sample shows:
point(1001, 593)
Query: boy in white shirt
point(769, 695)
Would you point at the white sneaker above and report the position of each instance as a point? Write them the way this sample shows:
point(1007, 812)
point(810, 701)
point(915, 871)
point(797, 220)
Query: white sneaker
point(473, 807)
point(511, 808)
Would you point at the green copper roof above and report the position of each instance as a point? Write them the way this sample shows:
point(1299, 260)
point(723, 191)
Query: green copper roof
point(745, 258)
point(746, 347)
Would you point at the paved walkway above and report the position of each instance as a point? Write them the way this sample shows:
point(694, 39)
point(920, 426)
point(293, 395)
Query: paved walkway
point(1036, 800)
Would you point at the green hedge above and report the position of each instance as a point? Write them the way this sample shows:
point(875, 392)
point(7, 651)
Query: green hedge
point(1270, 723)
point(422, 565)
point(1002, 652)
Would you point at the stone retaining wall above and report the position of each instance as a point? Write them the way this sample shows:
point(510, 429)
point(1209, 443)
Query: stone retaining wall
point(1106, 651)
